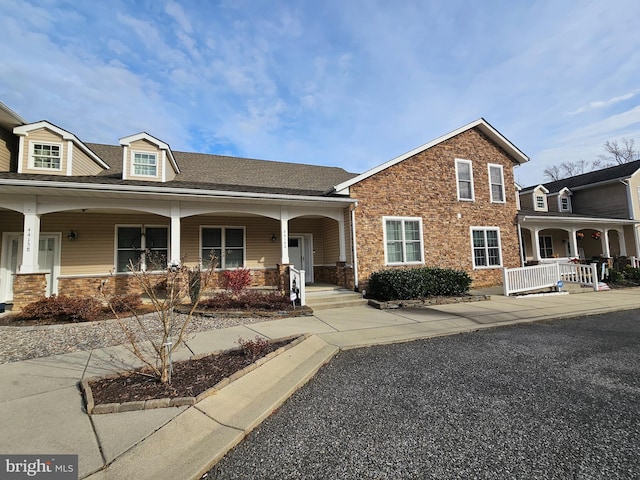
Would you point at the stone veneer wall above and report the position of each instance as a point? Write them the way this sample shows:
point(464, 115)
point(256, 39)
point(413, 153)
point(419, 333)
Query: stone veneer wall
point(124, 284)
point(341, 275)
point(27, 288)
point(425, 186)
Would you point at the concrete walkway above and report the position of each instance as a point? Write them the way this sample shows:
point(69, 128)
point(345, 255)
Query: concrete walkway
point(43, 412)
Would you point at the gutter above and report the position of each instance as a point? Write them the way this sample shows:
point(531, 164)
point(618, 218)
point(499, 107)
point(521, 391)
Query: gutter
point(170, 191)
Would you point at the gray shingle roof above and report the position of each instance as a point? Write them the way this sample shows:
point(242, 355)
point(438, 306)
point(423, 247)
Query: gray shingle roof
point(598, 176)
point(218, 172)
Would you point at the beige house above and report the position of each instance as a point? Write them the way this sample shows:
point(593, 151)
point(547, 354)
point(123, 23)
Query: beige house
point(73, 214)
point(591, 216)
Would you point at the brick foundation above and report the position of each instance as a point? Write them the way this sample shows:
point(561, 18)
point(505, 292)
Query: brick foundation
point(341, 275)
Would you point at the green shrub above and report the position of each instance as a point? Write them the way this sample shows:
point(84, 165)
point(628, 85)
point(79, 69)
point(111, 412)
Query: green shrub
point(413, 283)
point(63, 309)
point(632, 274)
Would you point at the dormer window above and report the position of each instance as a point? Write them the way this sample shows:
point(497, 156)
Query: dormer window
point(145, 164)
point(540, 199)
point(564, 200)
point(46, 156)
point(540, 203)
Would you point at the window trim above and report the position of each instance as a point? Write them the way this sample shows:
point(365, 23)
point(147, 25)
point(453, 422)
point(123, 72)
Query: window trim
point(143, 246)
point(220, 261)
point(486, 247)
point(473, 193)
point(31, 161)
point(502, 189)
point(542, 195)
point(133, 163)
point(385, 219)
point(568, 199)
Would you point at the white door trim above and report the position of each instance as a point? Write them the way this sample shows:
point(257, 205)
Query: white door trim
point(306, 240)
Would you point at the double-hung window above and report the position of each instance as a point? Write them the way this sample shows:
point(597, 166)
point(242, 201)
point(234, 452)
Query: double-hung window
point(403, 240)
point(486, 247)
point(546, 246)
point(143, 247)
point(464, 176)
point(496, 182)
point(226, 244)
point(145, 164)
point(46, 155)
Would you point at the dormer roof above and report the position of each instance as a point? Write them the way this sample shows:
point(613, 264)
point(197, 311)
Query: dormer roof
point(127, 141)
point(24, 130)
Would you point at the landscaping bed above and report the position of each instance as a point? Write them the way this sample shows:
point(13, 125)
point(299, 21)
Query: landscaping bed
point(192, 380)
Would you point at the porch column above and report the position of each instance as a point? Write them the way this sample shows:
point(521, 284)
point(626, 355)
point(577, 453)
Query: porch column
point(284, 235)
point(343, 248)
point(30, 245)
point(174, 255)
point(574, 243)
point(605, 242)
point(536, 244)
point(623, 244)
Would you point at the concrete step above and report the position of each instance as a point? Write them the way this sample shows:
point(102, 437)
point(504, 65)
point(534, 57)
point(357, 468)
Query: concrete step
point(324, 299)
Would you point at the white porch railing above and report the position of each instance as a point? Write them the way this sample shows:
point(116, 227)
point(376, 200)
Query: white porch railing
point(297, 285)
point(576, 273)
point(635, 262)
point(522, 279)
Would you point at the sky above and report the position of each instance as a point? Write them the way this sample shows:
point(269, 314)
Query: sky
point(348, 83)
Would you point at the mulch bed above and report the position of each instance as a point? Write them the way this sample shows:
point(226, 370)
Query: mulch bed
point(14, 320)
point(189, 379)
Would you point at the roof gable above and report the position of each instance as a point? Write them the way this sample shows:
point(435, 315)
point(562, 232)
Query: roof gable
point(24, 130)
point(127, 141)
point(516, 155)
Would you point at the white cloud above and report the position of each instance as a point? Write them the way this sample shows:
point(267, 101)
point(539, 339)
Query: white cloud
point(175, 11)
point(604, 103)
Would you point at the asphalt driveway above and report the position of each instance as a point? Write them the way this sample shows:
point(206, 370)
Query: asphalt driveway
point(550, 400)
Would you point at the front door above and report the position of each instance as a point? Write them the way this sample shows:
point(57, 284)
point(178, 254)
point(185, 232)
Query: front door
point(48, 261)
point(301, 254)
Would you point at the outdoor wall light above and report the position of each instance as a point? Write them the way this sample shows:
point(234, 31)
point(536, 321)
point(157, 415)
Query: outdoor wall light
point(72, 235)
point(273, 238)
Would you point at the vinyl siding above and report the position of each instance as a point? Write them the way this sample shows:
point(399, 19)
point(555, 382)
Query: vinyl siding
point(83, 164)
point(45, 136)
point(144, 146)
point(606, 200)
point(8, 150)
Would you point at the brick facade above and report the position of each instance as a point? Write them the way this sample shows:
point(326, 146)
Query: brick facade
point(425, 186)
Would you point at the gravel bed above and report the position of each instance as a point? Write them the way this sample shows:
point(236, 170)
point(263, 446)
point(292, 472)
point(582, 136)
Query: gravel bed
point(22, 343)
point(554, 400)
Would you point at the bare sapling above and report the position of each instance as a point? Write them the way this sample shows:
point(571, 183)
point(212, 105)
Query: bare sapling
point(154, 337)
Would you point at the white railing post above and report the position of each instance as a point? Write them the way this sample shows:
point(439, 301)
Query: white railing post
point(505, 281)
point(594, 276)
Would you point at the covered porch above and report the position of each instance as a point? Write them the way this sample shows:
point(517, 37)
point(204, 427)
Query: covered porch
point(61, 240)
point(547, 238)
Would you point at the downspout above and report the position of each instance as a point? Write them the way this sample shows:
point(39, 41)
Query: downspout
point(521, 249)
point(632, 211)
point(355, 249)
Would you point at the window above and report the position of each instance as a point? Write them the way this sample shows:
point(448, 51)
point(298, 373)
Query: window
point(464, 175)
point(225, 243)
point(496, 181)
point(546, 246)
point(564, 204)
point(46, 155)
point(540, 202)
point(486, 247)
point(403, 240)
point(145, 164)
point(146, 248)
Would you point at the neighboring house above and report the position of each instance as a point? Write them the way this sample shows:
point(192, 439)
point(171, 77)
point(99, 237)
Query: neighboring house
point(74, 213)
point(590, 216)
